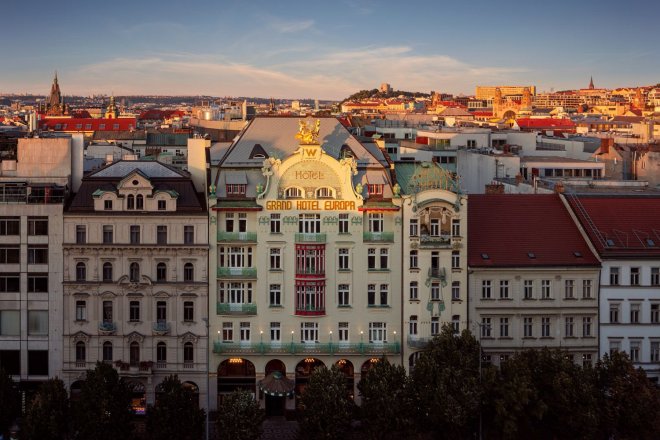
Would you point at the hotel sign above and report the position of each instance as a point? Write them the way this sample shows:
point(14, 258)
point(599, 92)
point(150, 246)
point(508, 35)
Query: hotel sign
point(310, 205)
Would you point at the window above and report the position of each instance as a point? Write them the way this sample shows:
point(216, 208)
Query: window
point(435, 227)
point(107, 311)
point(38, 322)
point(635, 351)
point(81, 234)
point(293, 193)
point(10, 323)
point(384, 289)
point(343, 295)
point(275, 224)
point(229, 222)
point(343, 223)
point(545, 327)
point(275, 259)
point(485, 289)
point(655, 351)
point(569, 326)
point(455, 259)
point(188, 311)
point(614, 276)
point(413, 259)
point(634, 313)
point(371, 258)
point(107, 205)
point(11, 226)
point(435, 291)
point(161, 311)
point(275, 332)
point(569, 289)
point(528, 289)
point(414, 227)
point(309, 223)
point(586, 326)
point(371, 294)
point(134, 354)
point(10, 282)
point(227, 331)
point(325, 193)
point(134, 311)
point(107, 272)
point(161, 272)
point(162, 205)
point(614, 313)
point(412, 325)
point(456, 290)
point(139, 202)
point(486, 327)
point(81, 352)
point(504, 327)
point(586, 360)
point(546, 289)
point(504, 289)
point(11, 255)
point(384, 257)
point(36, 255)
point(236, 293)
point(414, 290)
point(309, 332)
point(456, 227)
point(188, 353)
point(375, 189)
point(378, 332)
point(188, 234)
point(161, 354)
point(343, 332)
point(586, 289)
point(435, 325)
point(37, 282)
point(36, 226)
point(528, 327)
point(81, 310)
point(107, 351)
point(375, 222)
point(161, 234)
point(456, 324)
point(81, 272)
point(655, 276)
point(634, 276)
point(655, 313)
point(130, 202)
point(344, 262)
point(108, 234)
point(134, 272)
point(275, 294)
point(135, 234)
point(188, 272)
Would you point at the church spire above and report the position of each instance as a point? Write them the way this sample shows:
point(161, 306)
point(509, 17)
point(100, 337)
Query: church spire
point(591, 83)
point(55, 103)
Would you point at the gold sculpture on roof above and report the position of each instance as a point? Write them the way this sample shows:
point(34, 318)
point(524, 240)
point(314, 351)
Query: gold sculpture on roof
point(307, 135)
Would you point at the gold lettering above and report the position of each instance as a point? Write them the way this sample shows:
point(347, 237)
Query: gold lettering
point(281, 205)
point(309, 175)
point(310, 152)
point(310, 205)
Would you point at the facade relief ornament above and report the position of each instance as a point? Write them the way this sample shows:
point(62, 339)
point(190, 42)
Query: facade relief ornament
point(80, 336)
point(135, 337)
point(189, 337)
point(308, 135)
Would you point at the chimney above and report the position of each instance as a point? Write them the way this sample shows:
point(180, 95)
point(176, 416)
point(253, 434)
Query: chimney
point(495, 188)
point(559, 187)
point(605, 144)
point(519, 179)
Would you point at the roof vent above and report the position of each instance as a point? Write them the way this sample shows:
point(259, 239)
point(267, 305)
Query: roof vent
point(650, 242)
point(485, 256)
point(531, 255)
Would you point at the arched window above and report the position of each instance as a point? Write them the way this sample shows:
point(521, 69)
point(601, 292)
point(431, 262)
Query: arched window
point(107, 351)
point(130, 202)
point(81, 352)
point(413, 325)
point(325, 192)
point(188, 353)
point(81, 272)
point(134, 354)
point(161, 272)
point(134, 272)
point(107, 272)
point(161, 354)
point(139, 202)
point(293, 193)
point(188, 272)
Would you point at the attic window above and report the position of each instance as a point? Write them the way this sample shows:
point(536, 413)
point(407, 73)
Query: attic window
point(234, 189)
point(485, 256)
point(375, 189)
point(135, 183)
point(577, 254)
point(531, 255)
point(650, 242)
point(258, 152)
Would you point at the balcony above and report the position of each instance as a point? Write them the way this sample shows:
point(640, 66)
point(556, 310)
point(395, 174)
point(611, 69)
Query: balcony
point(329, 348)
point(378, 237)
point(310, 238)
point(161, 328)
point(107, 328)
point(237, 272)
point(249, 237)
point(236, 309)
point(437, 273)
point(434, 241)
point(418, 342)
point(310, 311)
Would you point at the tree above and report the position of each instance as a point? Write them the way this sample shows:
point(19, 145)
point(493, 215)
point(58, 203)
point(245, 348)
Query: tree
point(48, 415)
point(629, 402)
point(240, 417)
point(327, 408)
point(9, 401)
point(446, 385)
point(176, 414)
point(103, 411)
point(385, 401)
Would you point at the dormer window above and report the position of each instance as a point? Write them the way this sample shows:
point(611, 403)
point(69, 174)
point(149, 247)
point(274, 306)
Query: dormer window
point(325, 193)
point(139, 202)
point(162, 205)
point(235, 190)
point(293, 193)
point(375, 189)
point(130, 202)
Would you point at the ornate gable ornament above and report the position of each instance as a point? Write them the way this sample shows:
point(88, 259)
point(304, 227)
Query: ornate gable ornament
point(308, 135)
point(134, 337)
point(189, 337)
point(80, 336)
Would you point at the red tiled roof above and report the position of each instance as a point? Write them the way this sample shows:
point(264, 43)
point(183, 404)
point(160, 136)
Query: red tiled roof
point(524, 230)
point(545, 123)
point(485, 114)
point(87, 124)
point(155, 114)
point(625, 224)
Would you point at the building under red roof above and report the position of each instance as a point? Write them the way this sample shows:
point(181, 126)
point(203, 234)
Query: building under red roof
point(75, 125)
point(565, 125)
point(623, 226)
point(160, 115)
point(519, 230)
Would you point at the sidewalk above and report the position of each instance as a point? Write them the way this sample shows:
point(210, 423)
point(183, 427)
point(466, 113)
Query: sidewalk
point(278, 428)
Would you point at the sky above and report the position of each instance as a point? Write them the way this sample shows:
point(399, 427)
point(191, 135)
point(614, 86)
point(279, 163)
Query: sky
point(324, 49)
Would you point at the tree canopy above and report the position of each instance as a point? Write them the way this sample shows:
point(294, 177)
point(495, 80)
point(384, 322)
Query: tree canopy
point(176, 414)
point(240, 417)
point(48, 415)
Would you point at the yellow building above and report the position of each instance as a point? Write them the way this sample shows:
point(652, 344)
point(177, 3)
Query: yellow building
point(488, 92)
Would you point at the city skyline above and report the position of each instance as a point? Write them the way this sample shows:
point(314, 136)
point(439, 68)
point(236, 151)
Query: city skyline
point(325, 51)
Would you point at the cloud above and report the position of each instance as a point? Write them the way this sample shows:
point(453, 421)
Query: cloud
point(289, 27)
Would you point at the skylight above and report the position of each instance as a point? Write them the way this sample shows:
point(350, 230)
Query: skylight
point(531, 255)
point(485, 256)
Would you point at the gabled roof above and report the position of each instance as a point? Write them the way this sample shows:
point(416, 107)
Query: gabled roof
point(541, 123)
point(86, 124)
point(147, 168)
point(623, 225)
point(524, 230)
